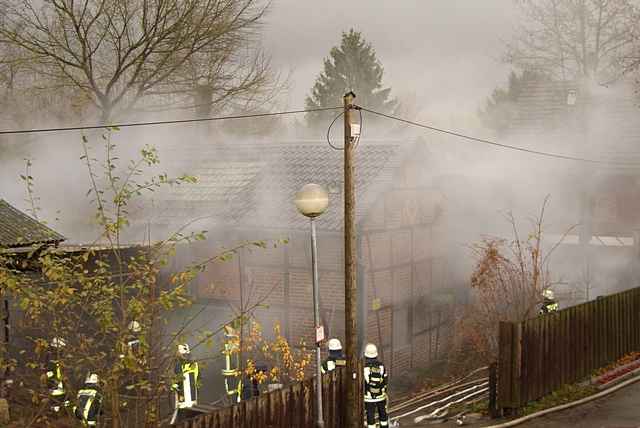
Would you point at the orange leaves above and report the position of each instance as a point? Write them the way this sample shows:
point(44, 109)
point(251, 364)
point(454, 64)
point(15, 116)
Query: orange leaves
point(286, 363)
point(507, 284)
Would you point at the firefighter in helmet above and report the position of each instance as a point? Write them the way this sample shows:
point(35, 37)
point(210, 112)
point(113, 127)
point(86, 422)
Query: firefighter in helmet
point(549, 303)
point(185, 385)
point(133, 339)
point(131, 349)
point(89, 404)
point(55, 384)
point(375, 387)
point(335, 359)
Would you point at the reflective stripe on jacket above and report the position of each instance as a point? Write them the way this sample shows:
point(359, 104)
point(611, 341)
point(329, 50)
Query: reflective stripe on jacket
point(54, 379)
point(187, 390)
point(375, 383)
point(89, 402)
point(330, 364)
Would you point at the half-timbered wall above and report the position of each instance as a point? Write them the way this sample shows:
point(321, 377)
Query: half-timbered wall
point(403, 272)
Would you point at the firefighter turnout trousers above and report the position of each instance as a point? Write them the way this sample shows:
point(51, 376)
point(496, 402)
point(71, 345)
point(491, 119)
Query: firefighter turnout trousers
point(371, 407)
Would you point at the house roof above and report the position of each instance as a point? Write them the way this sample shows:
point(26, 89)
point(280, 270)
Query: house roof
point(601, 124)
point(19, 230)
point(254, 185)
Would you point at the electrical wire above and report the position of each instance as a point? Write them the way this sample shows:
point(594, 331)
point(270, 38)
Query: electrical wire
point(162, 122)
point(356, 142)
point(496, 144)
point(329, 131)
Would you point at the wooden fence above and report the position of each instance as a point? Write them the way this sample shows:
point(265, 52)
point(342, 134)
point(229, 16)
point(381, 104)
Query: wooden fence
point(539, 355)
point(290, 407)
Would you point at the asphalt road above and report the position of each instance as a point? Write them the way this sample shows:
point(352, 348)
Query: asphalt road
point(618, 410)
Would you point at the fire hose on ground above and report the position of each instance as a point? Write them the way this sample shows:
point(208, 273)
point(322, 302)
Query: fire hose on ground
point(438, 413)
point(437, 391)
point(565, 406)
point(444, 400)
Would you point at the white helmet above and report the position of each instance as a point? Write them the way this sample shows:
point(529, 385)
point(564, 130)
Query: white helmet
point(548, 294)
point(58, 342)
point(371, 351)
point(183, 349)
point(230, 331)
point(335, 345)
point(134, 327)
point(92, 379)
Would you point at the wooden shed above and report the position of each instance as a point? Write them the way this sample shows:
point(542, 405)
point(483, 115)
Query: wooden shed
point(246, 192)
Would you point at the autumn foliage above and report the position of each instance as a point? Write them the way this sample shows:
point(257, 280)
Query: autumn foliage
point(506, 285)
point(285, 364)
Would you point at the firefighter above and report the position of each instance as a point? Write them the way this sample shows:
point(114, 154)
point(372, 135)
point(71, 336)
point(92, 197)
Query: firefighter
point(186, 384)
point(133, 341)
point(132, 349)
point(549, 304)
point(55, 383)
point(89, 402)
point(336, 357)
point(231, 371)
point(375, 387)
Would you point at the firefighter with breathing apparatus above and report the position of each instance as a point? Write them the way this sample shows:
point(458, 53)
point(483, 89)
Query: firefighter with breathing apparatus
point(89, 402)
point(375, 387)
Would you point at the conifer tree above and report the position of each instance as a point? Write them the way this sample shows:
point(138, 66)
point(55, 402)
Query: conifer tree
point(351, 66)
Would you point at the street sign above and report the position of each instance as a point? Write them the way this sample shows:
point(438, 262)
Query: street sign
point(319, 334)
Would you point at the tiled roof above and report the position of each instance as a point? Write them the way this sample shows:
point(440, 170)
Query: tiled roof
point(602, 124)
point(542, 105)
point(254, 185)
point(19, 230)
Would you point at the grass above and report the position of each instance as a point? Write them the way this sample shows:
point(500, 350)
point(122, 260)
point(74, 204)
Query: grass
point(572, 392)
point(565, 394)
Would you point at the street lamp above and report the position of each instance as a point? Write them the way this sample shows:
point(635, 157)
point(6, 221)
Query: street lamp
point(312, 200)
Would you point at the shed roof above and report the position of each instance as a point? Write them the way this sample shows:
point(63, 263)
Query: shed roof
point(17, 229)
point(254, 185)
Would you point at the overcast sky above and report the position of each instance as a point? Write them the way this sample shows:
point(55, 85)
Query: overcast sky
point(446, 52)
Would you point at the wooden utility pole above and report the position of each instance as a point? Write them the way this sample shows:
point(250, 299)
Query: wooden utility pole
point(353, 417)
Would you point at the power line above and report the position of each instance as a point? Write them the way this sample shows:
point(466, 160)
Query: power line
point(162, 122)
point(496, 144)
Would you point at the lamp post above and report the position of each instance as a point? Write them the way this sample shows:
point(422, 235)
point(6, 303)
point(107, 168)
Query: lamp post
point(312, 200)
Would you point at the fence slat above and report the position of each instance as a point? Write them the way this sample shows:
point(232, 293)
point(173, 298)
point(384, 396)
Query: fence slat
point(539, 355)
